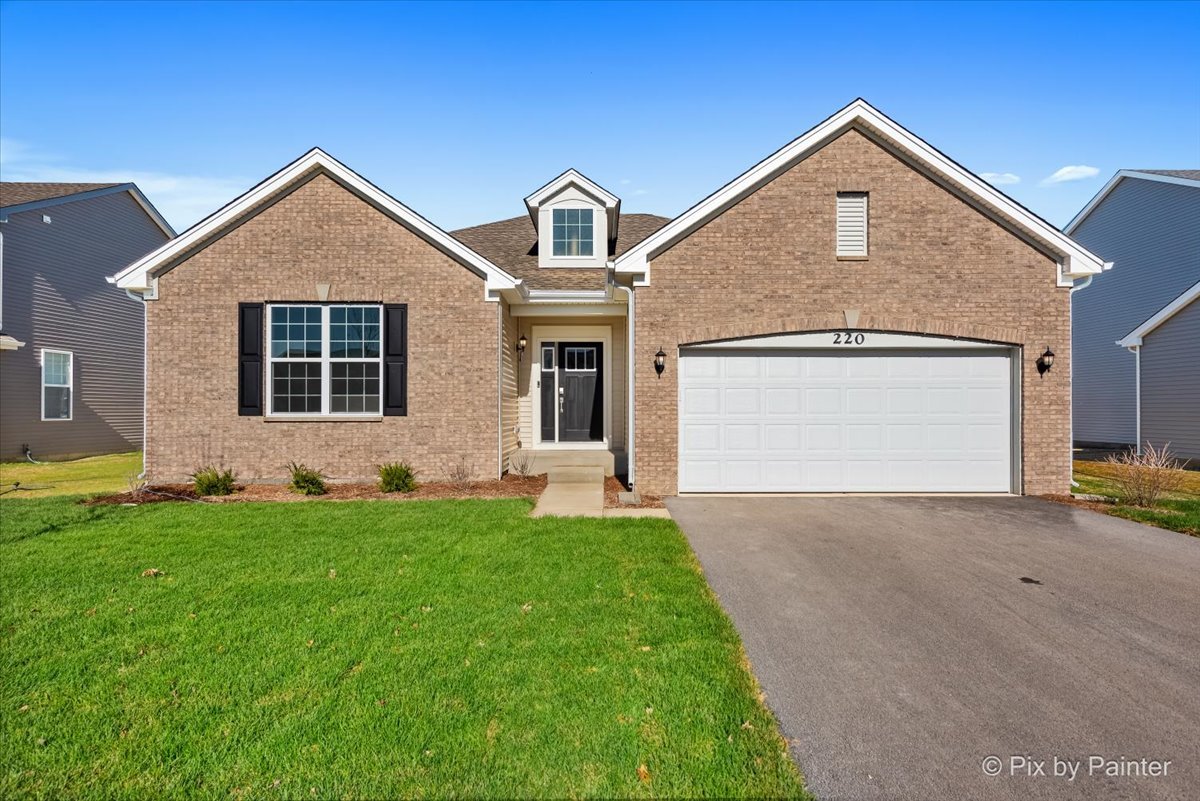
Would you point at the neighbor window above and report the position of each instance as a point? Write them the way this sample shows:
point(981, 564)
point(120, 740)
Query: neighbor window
point(57, 376)
point(852, 224)
point(572, 232)
point(325, 360)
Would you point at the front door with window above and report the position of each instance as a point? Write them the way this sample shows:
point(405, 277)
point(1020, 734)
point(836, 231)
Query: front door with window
point(571, 390)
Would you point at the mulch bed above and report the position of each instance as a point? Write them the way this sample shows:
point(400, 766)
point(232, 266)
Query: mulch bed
point(613, 485)
point(508, 487)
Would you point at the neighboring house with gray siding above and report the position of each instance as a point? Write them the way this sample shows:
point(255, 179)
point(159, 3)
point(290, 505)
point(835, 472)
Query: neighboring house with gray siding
point(71, 343)
point(1148, 223)
point(1166, 350)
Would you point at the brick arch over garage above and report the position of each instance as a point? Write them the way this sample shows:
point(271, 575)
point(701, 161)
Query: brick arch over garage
point(866, 322)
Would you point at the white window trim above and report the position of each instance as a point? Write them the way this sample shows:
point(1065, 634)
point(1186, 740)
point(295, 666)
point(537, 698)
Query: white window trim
point(592, 225)
point(70, 385)
point(325, 361)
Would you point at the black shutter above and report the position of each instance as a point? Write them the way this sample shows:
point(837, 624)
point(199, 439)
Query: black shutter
point(250, 359)
point(395, 359)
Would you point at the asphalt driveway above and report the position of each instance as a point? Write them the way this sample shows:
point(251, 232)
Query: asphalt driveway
point(902, 641)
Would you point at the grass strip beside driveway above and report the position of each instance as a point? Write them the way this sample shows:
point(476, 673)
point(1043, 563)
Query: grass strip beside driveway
point(369, 650)
point(1179, 511)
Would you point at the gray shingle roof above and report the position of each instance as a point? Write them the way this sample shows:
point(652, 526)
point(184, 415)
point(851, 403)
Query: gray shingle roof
point(1193, 175)
point(16, 193)
point(512, 245)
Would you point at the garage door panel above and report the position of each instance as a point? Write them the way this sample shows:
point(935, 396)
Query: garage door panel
point(796, 421)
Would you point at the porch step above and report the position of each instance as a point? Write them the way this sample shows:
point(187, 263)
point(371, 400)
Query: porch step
point(576, 474)
point(612, 462)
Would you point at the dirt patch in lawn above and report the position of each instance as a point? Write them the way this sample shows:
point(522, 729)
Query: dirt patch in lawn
point(508, 487)
point(1071, 500)
point(613, 486)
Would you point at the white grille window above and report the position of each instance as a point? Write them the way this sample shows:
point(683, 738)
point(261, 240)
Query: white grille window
point(58, 377)
point(852, 224)
point(325, 360)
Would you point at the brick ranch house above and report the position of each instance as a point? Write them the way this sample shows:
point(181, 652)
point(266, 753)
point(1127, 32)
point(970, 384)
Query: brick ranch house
point(855, 313)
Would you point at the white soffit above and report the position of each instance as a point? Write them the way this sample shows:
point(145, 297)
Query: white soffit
point(1074, 260)
point(1134, 337)
point(140, 275)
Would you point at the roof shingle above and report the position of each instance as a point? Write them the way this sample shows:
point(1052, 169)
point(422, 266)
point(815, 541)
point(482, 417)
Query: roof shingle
point(1192, 175)
point(512, 245)
point(16, 193)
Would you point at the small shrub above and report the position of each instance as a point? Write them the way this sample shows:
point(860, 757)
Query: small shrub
point(397, 477)
point(135, 483)
point(213, 481)
point(1143, 479)
point(306, 480)
point(521, 463)
point(460, 473)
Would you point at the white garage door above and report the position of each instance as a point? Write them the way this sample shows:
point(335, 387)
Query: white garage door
point(827, 421)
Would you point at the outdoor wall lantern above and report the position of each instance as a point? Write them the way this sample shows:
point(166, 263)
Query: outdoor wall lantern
point(522, 342)
point(1045, 362)
point(660, 362)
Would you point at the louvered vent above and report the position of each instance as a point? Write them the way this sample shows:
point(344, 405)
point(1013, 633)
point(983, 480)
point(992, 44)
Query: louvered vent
point(852, 224)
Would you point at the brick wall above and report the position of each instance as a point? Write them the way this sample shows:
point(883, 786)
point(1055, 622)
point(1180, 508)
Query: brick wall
point(937, 265)
point(320, 233)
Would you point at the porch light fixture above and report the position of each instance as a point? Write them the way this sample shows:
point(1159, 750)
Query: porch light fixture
point(1045, 361)
point(660, 362)
point(522, 342)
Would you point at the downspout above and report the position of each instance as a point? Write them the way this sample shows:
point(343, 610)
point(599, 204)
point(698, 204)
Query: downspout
point(1071, 370)
point(629, 380)
point(145, 371)
point(1137, 398)
point(500, 389)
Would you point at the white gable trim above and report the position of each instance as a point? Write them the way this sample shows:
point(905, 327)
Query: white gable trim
point(1134, 338)
point(1073, 259)
point(572, 177)
point(143, 273)
point(1086, 211)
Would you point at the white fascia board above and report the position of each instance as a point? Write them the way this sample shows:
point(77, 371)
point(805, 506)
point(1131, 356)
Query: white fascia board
point(1074, 260)
point(573, 177)
point(1083, 214)
point(1134, 337)
point(138, 275)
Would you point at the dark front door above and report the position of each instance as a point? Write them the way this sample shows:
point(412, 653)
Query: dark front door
point(580, 389)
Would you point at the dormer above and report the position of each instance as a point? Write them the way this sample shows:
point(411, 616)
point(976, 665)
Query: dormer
point(576, 220)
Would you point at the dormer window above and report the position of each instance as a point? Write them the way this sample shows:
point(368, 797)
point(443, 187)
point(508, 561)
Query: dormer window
point(573, 232)
point(576, 222)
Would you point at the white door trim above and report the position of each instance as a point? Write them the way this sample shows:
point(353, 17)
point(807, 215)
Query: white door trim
point(559, 333)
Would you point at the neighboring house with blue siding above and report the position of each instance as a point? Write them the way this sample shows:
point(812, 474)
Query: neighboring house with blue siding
point(1148, 223)
point(71, 344)
point(1166, 349)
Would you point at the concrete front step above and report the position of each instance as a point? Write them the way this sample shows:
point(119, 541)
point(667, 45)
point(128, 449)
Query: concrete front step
point(542, 461)
point(576, 474)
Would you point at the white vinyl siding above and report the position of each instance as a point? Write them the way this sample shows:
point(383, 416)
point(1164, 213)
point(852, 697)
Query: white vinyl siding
point(852, 224)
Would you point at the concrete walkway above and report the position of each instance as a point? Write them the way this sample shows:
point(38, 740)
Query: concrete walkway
point(578, 491)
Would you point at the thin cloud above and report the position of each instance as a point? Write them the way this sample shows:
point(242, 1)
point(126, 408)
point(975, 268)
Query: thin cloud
point(182, 199)
point(1072, 172)
point(1000, 178)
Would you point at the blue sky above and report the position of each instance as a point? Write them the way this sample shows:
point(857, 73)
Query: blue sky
point(461, 110)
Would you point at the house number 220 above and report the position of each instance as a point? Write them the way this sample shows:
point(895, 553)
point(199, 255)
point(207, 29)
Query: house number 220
point(848, 338)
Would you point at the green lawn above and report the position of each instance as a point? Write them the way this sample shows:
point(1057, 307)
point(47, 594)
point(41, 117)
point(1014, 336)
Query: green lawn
point(1179, 511)
point(98, 474)
point(367, 650)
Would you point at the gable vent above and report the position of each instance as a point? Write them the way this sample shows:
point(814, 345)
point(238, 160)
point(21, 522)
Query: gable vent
point(852, 224)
